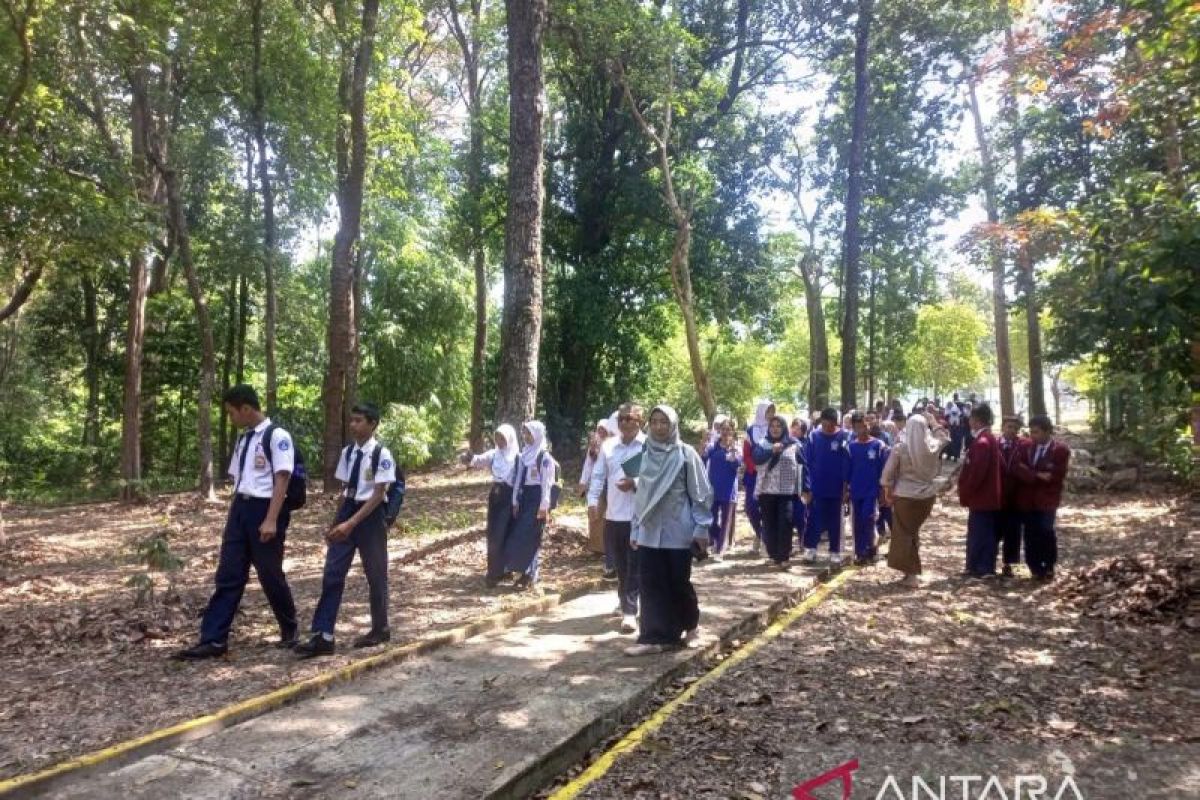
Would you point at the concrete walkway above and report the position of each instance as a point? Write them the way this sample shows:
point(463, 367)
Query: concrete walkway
point(496, 716)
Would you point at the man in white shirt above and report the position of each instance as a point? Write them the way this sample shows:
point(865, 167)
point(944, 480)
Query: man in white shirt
point(366, 468)
point(260, 469)
point(618, 516)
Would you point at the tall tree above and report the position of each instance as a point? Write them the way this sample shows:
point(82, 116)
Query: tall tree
point(466, 25)
point(852, 239)
point(270, 233)
point(1026, 278)
point(357, 53)
point(521, 324)
point(679, 266)
point(991, 203)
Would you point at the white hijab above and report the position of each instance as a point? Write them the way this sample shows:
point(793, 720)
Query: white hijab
point(504, 460)
point(758, 431)
point(530, 452)
point(922, 447)
point(609, 424)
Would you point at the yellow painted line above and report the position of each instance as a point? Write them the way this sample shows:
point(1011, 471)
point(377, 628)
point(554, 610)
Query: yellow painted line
point(255, 706)
point(656, 720)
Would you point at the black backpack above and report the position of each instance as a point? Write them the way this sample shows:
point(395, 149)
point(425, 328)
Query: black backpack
point(394, 498)
point(297, 488)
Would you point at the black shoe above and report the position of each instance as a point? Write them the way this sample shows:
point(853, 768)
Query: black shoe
point(1007, 572)
point(523, 582)
point(288, 640)
point(373, 637)
point(316, 646)
point(201, 651)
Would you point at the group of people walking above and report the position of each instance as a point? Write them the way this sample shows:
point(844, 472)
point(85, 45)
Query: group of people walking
point(655, 505)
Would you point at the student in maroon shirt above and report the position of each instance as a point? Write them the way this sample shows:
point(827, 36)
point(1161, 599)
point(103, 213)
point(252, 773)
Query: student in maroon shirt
point(1040, 467)
point(980, 490)
point(1008, 526)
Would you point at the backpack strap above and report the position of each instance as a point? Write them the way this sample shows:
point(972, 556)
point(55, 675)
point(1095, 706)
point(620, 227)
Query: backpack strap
point(266, 443)
point(375, 456)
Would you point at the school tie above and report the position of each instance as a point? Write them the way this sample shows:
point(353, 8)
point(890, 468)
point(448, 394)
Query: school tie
point(352, 484)
point(245, 445)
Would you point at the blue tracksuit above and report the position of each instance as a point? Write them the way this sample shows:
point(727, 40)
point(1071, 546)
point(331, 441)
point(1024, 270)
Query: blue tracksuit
point(866, 468)
point(828, 460)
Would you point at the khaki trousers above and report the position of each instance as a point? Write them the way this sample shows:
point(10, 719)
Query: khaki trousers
point(904, 551)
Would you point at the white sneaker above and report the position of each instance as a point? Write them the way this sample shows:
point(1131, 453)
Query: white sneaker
point(692, 636)
point(810, 556)
point(644, 649)
point(835, 559)
point(629, 623)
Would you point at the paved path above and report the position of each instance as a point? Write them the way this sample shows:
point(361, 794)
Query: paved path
point(496, 716)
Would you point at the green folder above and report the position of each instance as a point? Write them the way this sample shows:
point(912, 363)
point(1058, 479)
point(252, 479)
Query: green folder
point(632, 465)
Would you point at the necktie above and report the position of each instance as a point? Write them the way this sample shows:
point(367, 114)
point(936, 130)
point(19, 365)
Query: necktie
point(245, 445)
point(352, 484)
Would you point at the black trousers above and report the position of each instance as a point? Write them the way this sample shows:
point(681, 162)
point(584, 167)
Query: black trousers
point(625, 560)
point(777, 525)
point(1008, 532)
point(669, 603)
point(241, 548)
point(1041, 542)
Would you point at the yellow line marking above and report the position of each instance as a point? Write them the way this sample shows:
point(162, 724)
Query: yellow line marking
point(656, 720)
point(255, 706)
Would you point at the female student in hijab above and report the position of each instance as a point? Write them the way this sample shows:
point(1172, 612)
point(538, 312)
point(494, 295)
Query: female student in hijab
point(502, 461)
point(799, 431)
point(780, 480)
point(755, 433)
point(672, 509)
point(536, 475)
point(604, 429)
point(908, 488)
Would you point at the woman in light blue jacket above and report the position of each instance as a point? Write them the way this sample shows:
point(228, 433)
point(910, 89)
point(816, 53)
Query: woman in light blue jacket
point(673, 509)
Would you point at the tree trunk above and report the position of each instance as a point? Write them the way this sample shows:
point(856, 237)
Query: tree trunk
point(852, 242)
point(270, 234)
point(999, 302)
point(21, 293)
point(178, 221)
point(227, 371)
point(243, 323)
point(135, 332)
point(681, 282)
point(351, 166)
point(90, 334)
point(818, 392)
point(521, 323)
point(1056, 392)
point(1027, 282)
point(469, 43)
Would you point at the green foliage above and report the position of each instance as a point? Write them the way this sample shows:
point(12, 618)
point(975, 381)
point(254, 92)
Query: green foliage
point(943, 351)
point(408, 431)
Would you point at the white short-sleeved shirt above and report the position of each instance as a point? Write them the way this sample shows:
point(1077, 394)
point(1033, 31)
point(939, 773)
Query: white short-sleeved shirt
point(259, 480)
point(367, 481)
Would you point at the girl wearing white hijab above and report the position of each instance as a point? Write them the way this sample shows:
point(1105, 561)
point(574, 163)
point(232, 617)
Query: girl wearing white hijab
point(672, 509)
point(756, 432)
point(536, 474)
point(502, 460)
point(908, 486)
point(604, 429)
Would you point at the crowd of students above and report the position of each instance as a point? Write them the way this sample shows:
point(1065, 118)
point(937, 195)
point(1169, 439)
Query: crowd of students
point(656, 505)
